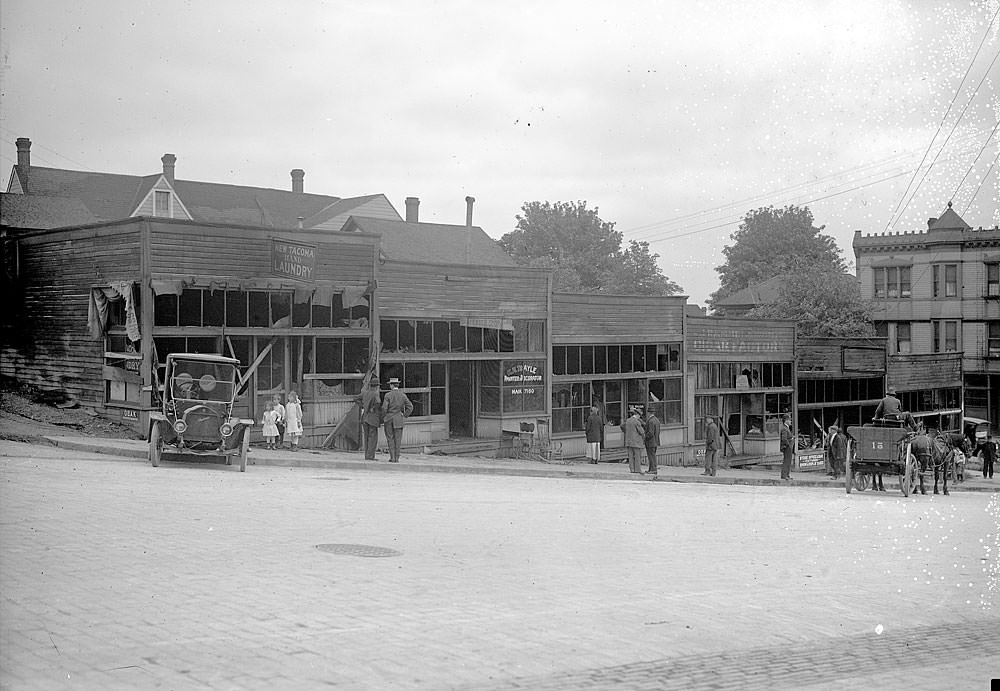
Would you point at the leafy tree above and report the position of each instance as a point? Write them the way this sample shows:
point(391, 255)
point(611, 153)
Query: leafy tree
point(822, 303)
point(584, 251)
point(771, 242)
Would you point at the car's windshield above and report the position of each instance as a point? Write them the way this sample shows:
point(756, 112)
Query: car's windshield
point(196, 380)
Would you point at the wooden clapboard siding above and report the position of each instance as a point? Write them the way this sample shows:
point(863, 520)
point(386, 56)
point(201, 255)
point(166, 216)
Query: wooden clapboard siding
point(924, 371)
point(446, 291)
point(820, 358)
point(55, 350)
point(713, 338)
point(594, 318)
point(221, 251)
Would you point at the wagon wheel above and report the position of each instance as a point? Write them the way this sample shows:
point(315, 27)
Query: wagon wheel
point(862, 481)
point(847, 468)
point(909, 477)
point(155, 445)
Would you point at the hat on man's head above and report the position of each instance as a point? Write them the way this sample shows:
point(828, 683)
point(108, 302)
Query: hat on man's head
point(890, 390)
point(394, 380)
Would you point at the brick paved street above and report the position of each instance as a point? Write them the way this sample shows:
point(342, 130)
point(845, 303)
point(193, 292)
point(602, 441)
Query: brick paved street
point(118, 575)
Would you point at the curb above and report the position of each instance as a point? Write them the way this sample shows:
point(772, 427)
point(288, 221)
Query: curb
point(563, 472)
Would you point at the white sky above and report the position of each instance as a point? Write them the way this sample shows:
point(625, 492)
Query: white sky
point(673, 118)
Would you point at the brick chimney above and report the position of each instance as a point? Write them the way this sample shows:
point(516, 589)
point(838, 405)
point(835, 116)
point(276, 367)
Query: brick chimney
point(469, 201)
point(298, 175)
point(24, 162)
point(931, 222)
point(168, 167)
point(412, 209)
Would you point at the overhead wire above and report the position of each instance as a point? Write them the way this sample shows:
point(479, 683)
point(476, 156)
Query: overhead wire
point(975, 160)
point(953, 128)
point(980, 185)
point(944, 118)
point(652, 231)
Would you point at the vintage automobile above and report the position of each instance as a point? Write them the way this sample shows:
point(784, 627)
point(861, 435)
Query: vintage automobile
point(196, 417)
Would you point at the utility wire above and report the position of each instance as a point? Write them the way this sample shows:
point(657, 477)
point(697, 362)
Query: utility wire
point(976, 159)
point(651, 230)
point(953, 128)
point(943, 119)
point(980, 185)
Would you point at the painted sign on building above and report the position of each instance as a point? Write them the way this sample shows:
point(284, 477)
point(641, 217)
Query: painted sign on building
point(524, 386)
point(293, 259)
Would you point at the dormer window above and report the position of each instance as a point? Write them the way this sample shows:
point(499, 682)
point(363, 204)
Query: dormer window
point(161, 203)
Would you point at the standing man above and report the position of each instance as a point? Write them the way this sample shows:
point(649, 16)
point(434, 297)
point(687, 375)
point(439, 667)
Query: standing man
point(652, 439)
point(635, 440)
point(838, 451)
point(371, 417)
point(786, 447)
point(987, 450)
point(595, 430)
point(711, 446)
point(396, 407)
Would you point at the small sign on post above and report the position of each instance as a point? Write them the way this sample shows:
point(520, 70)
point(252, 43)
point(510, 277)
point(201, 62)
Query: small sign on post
point(293, 259)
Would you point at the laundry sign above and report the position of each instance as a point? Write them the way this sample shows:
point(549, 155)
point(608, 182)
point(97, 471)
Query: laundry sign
point(293, 259)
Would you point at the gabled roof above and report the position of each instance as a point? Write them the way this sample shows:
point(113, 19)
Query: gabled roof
point(89, 197)
point(432, 242)
point(949, 221)
point(38, 212)
point(337, 208)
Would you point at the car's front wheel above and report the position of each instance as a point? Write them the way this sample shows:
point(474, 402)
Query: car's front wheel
point(155, 445)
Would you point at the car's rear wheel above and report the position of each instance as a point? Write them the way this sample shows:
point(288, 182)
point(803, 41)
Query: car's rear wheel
point(155, 445)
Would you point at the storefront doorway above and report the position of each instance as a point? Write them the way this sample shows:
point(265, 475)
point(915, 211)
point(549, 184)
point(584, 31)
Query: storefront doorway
point(460, 400)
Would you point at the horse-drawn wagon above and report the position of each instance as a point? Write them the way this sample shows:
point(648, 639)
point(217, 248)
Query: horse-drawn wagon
point(880, 449)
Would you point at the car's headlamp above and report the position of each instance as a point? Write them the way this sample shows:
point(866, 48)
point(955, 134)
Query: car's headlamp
point(226, 429)
point(180, 427)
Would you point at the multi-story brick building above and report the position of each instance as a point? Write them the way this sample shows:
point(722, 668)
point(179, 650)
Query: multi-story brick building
point(937, 296)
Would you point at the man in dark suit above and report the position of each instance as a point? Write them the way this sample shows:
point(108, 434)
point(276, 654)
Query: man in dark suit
point(371, 417)
point(396, 407)
point(652, 439)
point(711, 446)
point(787, 446)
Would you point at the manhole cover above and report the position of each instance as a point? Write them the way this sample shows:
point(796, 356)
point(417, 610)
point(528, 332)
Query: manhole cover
point(359, 550)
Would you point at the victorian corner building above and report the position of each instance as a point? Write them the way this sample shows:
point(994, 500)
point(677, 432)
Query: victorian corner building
point(936, 293)
point(110, 273)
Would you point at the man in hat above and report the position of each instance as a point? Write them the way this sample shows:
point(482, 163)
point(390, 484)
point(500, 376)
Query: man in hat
point(635, 440)
point(889, 407)
point(396, 407)
point(838, 452)
point(711, 446)
point(371, 417)
point(786, 446)
point(652, 439)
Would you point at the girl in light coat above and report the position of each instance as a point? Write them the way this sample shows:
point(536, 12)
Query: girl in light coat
point(293, 419)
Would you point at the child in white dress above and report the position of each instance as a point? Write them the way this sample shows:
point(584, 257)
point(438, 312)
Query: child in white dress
point(270, 423)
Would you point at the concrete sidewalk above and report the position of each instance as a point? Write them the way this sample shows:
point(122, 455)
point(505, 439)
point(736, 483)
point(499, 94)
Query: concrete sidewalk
point(411, 462)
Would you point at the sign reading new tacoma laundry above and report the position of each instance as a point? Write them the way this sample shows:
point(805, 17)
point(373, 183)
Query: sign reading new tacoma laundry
point(293, 259)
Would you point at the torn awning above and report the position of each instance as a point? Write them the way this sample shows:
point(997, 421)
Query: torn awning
point(97, 311)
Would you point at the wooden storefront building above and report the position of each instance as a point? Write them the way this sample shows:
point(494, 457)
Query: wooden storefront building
point(464, 329)
point(107, 303)
point(840, 382)
point(742, 371)
point(114, 272)
point(616, 351)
